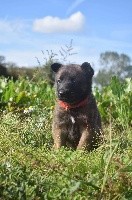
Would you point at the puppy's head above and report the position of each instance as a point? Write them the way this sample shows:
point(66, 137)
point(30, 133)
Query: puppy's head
point(73, 82)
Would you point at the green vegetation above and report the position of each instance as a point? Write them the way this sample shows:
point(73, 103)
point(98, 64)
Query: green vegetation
point(25, 93)
point(30, 169)
point(113, 64)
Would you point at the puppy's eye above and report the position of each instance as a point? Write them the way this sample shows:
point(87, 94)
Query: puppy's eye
point(58, 81)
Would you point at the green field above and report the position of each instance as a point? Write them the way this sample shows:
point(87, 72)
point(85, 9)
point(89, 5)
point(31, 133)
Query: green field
point(30, 169)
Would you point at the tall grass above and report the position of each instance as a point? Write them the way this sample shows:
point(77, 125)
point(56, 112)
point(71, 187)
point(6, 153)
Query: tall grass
point(31, 169)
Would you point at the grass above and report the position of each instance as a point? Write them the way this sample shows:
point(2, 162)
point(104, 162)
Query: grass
point(30, 169)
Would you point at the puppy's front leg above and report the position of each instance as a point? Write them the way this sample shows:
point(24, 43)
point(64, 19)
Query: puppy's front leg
point(85, 140)
point(58, 137)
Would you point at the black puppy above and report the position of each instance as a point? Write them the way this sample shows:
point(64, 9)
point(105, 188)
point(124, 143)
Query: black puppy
point(76, 121)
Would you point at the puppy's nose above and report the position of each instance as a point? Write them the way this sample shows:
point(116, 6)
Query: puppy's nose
point(63, 93)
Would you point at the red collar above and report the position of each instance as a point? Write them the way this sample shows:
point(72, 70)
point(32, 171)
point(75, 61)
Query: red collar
point(68, 106)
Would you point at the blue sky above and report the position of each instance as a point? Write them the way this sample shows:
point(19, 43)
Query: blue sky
point(29, 26)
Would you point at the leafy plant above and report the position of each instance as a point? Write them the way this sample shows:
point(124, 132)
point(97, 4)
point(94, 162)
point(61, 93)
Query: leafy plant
point(24, 93)
point(115, 101)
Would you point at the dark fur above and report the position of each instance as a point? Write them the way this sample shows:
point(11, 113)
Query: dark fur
point(79, 128)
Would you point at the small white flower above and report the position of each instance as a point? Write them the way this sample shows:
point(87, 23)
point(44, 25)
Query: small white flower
point(11, 99)
point(31, 109)
point(8, 165)
point(26, 111)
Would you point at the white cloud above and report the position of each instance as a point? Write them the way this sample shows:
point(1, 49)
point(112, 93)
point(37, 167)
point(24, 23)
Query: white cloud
point(51, 24)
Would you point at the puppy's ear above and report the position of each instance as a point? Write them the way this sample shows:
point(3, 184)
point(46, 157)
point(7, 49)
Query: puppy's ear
point(55, 67)
point(87, 67)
